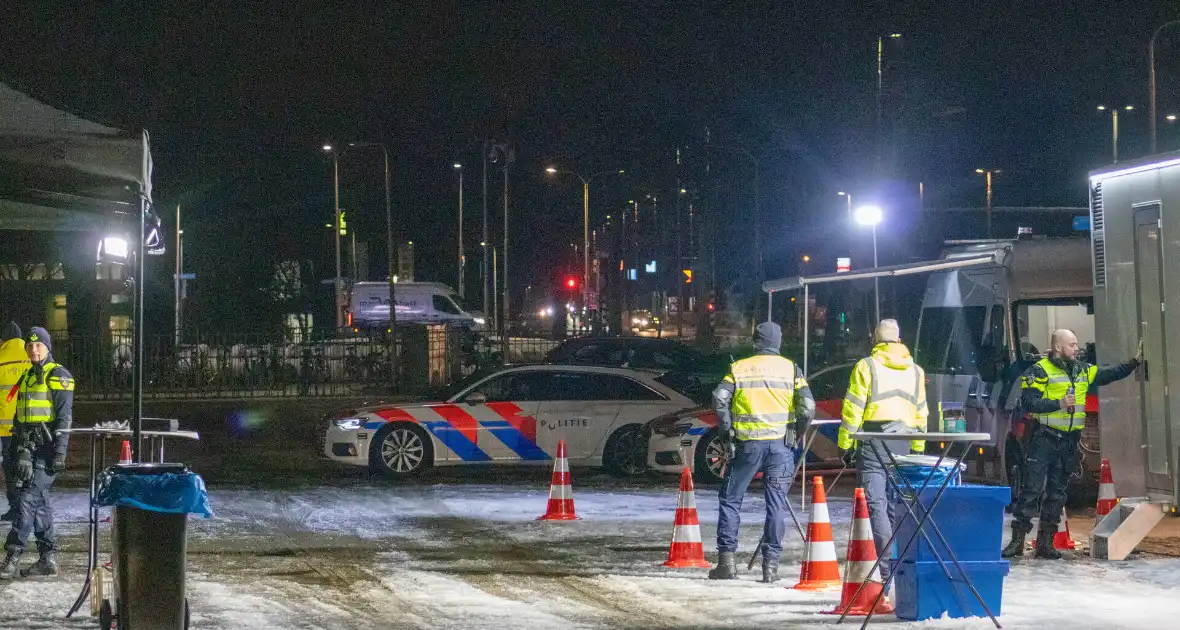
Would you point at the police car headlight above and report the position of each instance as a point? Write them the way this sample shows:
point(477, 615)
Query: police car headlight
point(479, 321)
point(348, 424)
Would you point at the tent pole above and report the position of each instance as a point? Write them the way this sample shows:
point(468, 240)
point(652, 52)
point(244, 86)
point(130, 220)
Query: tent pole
point(806, 325)
point(137, 341)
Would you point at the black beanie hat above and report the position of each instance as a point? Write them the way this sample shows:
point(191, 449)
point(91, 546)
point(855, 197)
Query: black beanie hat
point(40, 334)
point(10, 331)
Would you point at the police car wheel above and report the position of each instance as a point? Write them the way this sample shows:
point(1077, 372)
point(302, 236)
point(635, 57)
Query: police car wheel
point(621, 455)
point(710, 459)
point(401, 449)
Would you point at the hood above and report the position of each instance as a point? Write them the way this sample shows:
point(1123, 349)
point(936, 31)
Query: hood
point(10, 331)
point(893, 355)
point(768, 336)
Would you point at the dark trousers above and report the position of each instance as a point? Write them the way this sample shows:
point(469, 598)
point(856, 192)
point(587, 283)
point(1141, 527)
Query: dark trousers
point(1052, 457)
point(9, 468)
point(35, 515)
point(776, 461)
point(871, 471)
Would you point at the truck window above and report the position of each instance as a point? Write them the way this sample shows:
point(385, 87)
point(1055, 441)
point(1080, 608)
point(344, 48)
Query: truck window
point(443, 304)
point(950, 339)
point(1036, 321)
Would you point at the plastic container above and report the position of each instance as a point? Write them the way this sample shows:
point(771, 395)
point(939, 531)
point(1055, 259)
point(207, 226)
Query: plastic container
point(922, 590)
point(971, 518)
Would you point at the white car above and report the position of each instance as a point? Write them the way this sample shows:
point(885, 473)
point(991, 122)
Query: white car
point(511, 416)
point(690, 437)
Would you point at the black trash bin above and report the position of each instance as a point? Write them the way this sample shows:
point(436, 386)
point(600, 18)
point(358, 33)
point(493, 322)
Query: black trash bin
point(149, 531)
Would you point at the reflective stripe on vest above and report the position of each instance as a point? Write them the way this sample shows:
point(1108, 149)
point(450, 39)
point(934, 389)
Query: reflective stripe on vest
point(1055, 387)
point(33, 404)
point(894, 396)
point(763, 398)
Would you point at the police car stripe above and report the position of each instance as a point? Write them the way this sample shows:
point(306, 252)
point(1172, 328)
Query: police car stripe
point(513, 439)
point(505, 422)
point(460, 420)
point(513, 415)
point(444, 432)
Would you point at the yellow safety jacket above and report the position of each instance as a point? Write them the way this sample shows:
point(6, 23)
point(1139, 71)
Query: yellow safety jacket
point(885, 387)
point(1055, 386)
point(33, 402)
point(13, 363)
point(764, 396)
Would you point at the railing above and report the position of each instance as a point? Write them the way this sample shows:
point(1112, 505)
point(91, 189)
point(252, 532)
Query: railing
point(259, 365)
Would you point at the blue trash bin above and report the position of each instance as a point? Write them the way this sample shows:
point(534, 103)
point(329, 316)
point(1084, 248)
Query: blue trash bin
point(149, 533)
point(922, 590)
point(971, 517)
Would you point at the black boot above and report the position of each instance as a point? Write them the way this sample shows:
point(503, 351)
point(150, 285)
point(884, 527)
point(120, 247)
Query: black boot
point(10, 570)
point(1045, 547)
point(1015, 547)
point(45, 566)
point(769, 569)
point(726, 568)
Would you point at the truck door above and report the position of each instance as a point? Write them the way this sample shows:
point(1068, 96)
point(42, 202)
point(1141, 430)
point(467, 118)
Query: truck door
point(1153, 377)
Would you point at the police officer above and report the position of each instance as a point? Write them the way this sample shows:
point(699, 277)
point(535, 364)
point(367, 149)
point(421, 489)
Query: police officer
point(13, 363)
point(762, 405)
point(44, 405)
point(1054, 392)
point(887, 392)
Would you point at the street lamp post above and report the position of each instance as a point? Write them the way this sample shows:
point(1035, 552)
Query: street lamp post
point(1151, 62)
point(338, 284)
point(1114, 127)
point(870, 216)
point(552, 170)
point(848, 196)
point(988, 174)
point(390, 261)
point(462, 258)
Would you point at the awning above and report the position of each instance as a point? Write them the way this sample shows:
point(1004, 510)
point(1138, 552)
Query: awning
point(62, 172)
point(993, 257)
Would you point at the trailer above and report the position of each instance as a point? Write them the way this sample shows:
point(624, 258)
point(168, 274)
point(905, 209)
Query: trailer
point(989, 309)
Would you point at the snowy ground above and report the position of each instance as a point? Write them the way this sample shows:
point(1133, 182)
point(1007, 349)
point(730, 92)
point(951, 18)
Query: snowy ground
point(455, 555)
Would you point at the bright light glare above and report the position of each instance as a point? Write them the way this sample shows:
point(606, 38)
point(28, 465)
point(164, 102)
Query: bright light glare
point(841, 193)
point(980, 171)
point(1101, 108)
point(114, 247)
point(457, 165)
point(1129, 107)
point(327, 147)
point(1171, 117)
point(868, 215)
point(551, 170)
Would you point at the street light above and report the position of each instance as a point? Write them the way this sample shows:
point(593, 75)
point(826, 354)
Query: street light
point(870, 216)
point(988, 174)
point(390, 261)
point(1151, 63)
point(848, 195)
point(552, 170)
point(1114, 126)
point(338, 284)
point(462, 258)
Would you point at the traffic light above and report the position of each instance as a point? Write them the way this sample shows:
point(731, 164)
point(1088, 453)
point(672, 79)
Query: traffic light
point(571, 283)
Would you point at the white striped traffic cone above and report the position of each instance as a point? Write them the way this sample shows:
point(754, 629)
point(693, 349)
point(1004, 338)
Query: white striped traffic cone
point(1106, 496)
point(561, 495)
point(820, 570)
point(686, 549)
point(862, 555)
point(1062, 540)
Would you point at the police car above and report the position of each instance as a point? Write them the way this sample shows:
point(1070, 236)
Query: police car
point(692, 435)
point(510, 416)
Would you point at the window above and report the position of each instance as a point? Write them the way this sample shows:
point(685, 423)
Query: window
point(831, 384)
point(950, 339)
point(588, 386)
point(443, 304)
point(524, 386)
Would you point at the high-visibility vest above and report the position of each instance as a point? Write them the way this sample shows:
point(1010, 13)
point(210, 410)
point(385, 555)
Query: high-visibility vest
point(1055, 386)
point(886, 395)
point(33, 402)
point(13, 363)
point(764, 396)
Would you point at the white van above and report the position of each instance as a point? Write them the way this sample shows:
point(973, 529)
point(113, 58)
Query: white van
point(417, 303)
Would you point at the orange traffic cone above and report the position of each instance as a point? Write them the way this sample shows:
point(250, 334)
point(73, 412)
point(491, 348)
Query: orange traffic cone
point(686, 549)
point(125, 456)
point(1106, 496)
point(1062, 540)
point(561, 495)
point(820, 569)
point(862, 555)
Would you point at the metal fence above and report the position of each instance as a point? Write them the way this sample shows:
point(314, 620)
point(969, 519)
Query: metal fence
point(256, 365)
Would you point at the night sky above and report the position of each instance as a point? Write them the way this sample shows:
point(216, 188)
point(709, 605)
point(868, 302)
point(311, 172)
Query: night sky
point(238, 102)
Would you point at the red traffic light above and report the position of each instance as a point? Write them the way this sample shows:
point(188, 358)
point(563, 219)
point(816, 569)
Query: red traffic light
point(571, 282)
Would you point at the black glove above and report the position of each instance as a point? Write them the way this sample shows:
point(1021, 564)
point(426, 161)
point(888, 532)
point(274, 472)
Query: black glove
point(24, 467)
point(728, 445)
point(848, 457)
point(58, 465)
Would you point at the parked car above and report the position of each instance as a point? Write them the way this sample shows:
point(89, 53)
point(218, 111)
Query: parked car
point(510, 416)
point(692, 435)
point(684, 367)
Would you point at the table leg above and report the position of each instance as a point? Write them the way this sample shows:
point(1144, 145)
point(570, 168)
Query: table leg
point(92, 534)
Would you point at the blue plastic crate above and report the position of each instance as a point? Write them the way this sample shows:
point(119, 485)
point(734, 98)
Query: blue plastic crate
point(922, 591)
point(971, 518)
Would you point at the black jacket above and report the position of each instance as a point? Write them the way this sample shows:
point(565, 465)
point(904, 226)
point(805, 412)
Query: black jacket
point(1033, 400)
